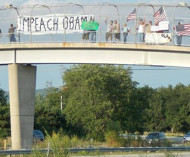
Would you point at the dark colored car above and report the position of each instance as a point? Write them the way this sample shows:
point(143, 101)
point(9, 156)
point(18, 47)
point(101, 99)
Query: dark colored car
point(38, 136)
point(186, 138)
point(155, 138)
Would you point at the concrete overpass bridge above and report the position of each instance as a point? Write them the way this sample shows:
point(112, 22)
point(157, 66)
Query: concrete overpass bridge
point(95, 53)
point(22, 75)
point(36, 45)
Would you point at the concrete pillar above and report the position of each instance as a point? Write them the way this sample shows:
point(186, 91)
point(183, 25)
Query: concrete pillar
point(22, 84)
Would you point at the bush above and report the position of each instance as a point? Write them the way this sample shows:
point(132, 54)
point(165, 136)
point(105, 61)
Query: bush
point(133, 141)
point(58, 143)
point(3, 134)
point(75, 142)
point(112, 139)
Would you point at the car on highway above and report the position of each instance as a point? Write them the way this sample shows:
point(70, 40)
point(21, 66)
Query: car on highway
point(155, 138)
point(186, 138)
point(38, 136)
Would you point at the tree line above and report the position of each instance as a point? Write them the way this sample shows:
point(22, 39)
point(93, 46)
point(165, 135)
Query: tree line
point(100, 98)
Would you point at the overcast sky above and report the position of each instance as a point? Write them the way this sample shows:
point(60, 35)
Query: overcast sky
point(46, 2)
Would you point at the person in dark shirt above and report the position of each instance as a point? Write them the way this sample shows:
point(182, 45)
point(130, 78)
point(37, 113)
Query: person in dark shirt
point(0, 33)
point(179, 28)
point(11, 33)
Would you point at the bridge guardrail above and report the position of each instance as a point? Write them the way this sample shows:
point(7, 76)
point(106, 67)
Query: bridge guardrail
point(76, 150)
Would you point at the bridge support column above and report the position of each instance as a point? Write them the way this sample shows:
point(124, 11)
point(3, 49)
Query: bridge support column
point(22, 82)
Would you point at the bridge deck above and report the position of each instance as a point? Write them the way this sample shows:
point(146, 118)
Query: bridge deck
point(95, 53)
point(94, 46)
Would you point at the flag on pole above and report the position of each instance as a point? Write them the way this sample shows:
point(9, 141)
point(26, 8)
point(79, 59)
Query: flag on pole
point(132, 16)
point(159, 15)
point(184, 29)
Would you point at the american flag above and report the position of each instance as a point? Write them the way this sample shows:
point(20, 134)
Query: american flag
point(159, 15)
point(132, 16)
point(183, 30)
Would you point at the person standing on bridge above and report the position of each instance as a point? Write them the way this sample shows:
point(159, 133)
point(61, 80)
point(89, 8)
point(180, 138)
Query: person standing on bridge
point(141, 31)
point(126, 30)
point(11, 33)
point(92, 31)
point(0, 33)
point(109, 30)
point(148, 27)
point(179, 28)
point(116, 31)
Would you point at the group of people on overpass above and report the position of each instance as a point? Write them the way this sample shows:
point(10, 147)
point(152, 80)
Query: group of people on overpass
point(160, 32)
point(145, 32)
point(113, 32)
point(146, 28)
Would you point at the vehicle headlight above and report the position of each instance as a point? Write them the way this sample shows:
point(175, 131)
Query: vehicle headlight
point(150, 141)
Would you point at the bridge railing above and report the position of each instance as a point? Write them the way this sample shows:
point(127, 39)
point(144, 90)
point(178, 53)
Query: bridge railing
point(100, 150)
point(120, 12)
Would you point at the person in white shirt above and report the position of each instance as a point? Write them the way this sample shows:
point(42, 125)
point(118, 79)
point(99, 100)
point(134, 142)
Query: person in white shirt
point(141, 31)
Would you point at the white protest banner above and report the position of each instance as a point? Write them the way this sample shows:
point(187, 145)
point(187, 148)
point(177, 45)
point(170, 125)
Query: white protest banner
point(158, 38)
point(51, 24)
point(154, 28)
point(163, 25)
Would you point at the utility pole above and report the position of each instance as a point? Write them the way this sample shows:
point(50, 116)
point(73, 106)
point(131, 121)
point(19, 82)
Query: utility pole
point(61, 102)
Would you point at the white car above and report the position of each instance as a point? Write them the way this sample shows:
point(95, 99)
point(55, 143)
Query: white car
point(186, 138)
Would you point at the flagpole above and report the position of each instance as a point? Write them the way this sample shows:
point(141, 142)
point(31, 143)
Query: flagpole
point(173, 24)
point(165, 14)
point(135, 24)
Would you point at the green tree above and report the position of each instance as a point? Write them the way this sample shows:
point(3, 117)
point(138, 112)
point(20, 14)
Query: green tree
point(185, 111)
point(156, 119)
point(48, 114)
point(3, 98)
point(98, 95)
point(4, 115)
point(177, 108)
point(141, 99)
point(169, 109)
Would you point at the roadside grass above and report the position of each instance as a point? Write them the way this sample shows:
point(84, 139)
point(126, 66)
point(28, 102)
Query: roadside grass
point(187, 144)
point(58, 144)
point(5, 142)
